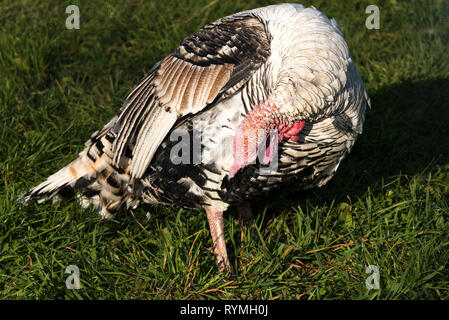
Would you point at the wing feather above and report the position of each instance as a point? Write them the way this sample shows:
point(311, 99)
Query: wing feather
point(201, 71)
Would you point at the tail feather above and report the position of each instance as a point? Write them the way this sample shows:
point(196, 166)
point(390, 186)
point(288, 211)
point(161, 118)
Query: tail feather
point(92, 177)
point(63, 183)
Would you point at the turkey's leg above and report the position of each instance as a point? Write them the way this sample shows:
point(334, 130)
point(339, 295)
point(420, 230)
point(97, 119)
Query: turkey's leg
point(245, 214)
point(215, 219)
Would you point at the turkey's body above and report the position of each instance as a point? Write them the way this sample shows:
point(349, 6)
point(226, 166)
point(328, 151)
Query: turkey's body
point(309, 162)
point(288, 61)
point(302, 165)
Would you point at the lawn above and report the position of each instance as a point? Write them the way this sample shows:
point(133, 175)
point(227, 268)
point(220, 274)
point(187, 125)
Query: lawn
point(388, 204)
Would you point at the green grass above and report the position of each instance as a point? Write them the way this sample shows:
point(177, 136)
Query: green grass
point(387, 205)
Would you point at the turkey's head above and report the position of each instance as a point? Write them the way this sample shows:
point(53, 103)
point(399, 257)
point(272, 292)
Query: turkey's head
point(259, 134)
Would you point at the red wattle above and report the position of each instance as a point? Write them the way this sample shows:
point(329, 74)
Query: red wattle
point(294, 131)
point(264, 116)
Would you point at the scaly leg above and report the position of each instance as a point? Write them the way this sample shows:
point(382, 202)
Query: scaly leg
point(215, 219)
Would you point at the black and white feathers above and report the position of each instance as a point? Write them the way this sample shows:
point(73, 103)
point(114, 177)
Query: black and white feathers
point(293, 55)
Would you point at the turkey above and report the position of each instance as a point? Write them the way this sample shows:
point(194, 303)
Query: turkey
point(258, 102)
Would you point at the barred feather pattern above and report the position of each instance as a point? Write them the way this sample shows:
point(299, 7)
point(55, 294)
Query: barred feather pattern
point(211, 82)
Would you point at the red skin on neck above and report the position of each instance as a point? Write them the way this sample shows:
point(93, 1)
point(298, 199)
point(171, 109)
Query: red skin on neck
point(257, 126)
